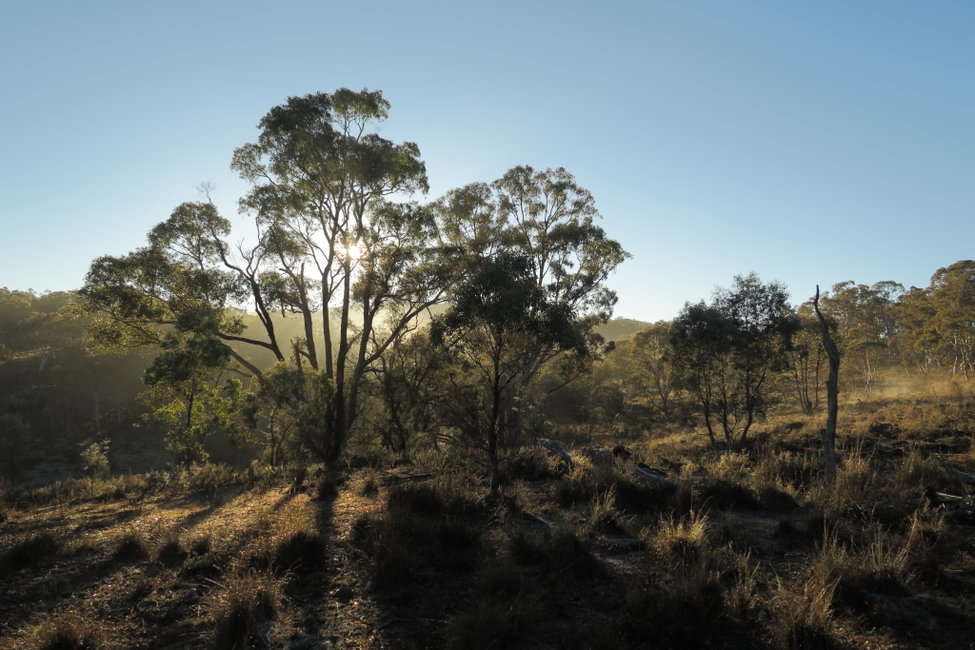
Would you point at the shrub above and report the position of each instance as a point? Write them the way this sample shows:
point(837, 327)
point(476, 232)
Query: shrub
point(95, 460)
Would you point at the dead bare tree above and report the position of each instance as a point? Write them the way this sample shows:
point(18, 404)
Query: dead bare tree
point(832, 394)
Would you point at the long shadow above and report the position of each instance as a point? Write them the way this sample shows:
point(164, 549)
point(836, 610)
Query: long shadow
point(62, 576)
point(311, 579)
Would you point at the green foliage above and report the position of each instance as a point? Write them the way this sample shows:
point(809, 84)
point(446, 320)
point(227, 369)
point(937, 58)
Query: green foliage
point(54, 391)
point(289, 409)
point(865, 325)
point(95, 460)
point(499, 318)
point(652, 364)
point(727, 350)
point(192, 411)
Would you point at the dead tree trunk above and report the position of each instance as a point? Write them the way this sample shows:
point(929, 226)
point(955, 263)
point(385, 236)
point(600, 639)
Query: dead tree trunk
point(832, 393)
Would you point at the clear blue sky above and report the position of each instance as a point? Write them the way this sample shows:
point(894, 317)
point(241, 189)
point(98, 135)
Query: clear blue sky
point(811, 142)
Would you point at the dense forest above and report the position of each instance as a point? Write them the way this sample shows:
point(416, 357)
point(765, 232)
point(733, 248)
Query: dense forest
point(378, 422)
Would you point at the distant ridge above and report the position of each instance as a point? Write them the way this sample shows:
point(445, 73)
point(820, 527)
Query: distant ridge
point(621, 328)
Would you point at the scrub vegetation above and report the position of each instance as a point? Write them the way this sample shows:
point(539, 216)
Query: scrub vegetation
point(392, 423)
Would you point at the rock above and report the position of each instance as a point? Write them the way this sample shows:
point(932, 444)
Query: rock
point(642, 470)
point(597, 455)
point(557, 450)
point(621, 453)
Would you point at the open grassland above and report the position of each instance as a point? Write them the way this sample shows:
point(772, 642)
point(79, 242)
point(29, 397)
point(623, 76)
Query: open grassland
point(677, 545)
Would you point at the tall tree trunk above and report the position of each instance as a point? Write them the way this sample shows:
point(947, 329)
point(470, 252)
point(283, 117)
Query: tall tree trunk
point(339, 429)
point(832, 395)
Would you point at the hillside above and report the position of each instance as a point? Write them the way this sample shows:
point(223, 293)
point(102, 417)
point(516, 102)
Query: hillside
point(619, 328)
point(690, 549)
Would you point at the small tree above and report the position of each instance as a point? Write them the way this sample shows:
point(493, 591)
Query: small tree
point(408, 386)
point(726, 351)
point(500, 317)
point(651, 356)
point(806, 360)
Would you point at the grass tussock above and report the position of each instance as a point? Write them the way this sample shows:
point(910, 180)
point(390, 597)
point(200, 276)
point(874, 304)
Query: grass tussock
point(243, 610)
point(505, 612)
point(30, 552)
point(131, 547)
point(68, 631)
point(803, 616)
point(285, 540)
point(632, 495)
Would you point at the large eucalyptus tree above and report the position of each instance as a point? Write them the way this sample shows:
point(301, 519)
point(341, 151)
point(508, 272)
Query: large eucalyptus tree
point(332, 246)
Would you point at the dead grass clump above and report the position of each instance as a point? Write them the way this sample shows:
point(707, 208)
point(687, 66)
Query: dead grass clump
point(532, 464)
point(681, 540)
point(444, 497)
point(30, 551)
point(684, 610)
point(803, 615)
point(171, 551)
point(635, 497)
point(864, 574)
point(792, 469)
point(855, 489)
point(801, 531)
point(392, 561)
point(887, 430)
point(693, 593)
point(131, 547)
point(285, 540)
point(368, 482)
point(917, 469)
point(930, 548)
point(730, 466)
point(242, 609)
point(726, 495)
point(419, 530)
point(206, 478)
point(601, 516)
point(68, 632)
point(777, 500)
point(302, 548)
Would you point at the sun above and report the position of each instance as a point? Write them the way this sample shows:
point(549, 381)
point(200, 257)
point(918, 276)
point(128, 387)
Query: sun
point(352, 252)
